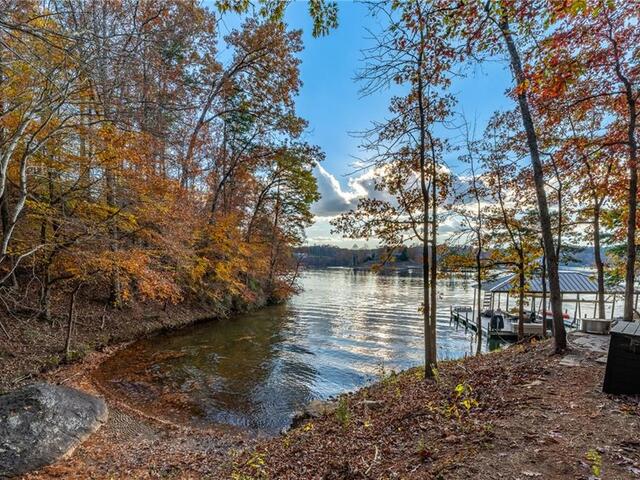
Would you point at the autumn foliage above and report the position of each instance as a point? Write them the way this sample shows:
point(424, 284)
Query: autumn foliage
point(145, 157)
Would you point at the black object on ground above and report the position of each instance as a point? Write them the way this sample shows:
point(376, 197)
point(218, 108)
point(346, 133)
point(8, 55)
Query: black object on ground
point(623, 361)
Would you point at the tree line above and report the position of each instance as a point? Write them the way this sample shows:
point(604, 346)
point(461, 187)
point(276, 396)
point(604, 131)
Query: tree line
point(559, 166)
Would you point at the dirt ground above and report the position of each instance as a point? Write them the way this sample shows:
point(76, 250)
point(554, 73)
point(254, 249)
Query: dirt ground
point(139, 444)
point(518, 414)
point(34, 347)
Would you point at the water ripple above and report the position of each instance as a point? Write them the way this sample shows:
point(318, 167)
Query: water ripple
point(256, 370)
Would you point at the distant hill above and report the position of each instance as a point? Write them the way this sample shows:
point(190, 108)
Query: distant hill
point(321, 256)
point(581, 256)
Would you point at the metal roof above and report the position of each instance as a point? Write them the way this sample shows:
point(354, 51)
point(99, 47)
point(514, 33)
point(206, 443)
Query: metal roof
point(570, 282)
point(626, 328)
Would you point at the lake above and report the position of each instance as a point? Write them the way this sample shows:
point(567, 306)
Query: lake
point(256, 370)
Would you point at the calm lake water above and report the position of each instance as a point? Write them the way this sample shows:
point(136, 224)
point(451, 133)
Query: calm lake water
point(255, 371)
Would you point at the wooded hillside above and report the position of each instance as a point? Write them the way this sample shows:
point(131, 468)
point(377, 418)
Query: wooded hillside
point(145, 157)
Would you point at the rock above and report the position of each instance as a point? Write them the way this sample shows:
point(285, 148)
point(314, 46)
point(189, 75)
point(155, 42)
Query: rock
point(317, 408)
point(372, 404)
point(314, 409)
point(570, 361)
point(42, 423)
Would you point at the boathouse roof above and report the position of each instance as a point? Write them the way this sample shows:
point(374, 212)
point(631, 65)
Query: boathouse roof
point(570, 282)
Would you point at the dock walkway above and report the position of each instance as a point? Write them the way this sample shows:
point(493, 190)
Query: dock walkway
point(509, 332)
point(466, 318)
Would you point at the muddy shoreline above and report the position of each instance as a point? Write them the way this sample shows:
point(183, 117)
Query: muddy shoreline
point(35, 348)
point(529, 415)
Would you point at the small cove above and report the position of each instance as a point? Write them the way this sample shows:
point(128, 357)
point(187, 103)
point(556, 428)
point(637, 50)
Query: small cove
point(254, 371)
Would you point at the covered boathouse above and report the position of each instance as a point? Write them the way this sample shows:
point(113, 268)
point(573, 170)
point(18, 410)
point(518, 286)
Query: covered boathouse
point(579, 291)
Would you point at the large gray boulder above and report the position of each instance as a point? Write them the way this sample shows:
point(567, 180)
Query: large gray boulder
point(42, 423)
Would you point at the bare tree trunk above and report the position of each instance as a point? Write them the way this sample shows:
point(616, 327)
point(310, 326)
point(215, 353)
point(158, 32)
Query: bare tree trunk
point(478, 300)
point(521, 285)
point(560, 334)
point(631, 244)
point(105, 100)
point(116, 289)
point(70, 321)
point(429, 351)
point(598, 199)
point(478, 262)
point(275, 245)
point(45, 295)
point(632, 199)
point(598, 260)
point(426, 316)
point(434, 249)
point(544, 297)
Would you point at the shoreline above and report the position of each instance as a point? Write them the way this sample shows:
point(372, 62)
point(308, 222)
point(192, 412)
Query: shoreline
point(520, 412)
point(26, 358)
point(514, 413)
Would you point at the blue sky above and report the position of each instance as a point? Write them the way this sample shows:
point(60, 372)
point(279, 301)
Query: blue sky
point(331, 102)
point(330, 99)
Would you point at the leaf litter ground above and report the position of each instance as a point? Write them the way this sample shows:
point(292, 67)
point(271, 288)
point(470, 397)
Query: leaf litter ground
point(521, 413)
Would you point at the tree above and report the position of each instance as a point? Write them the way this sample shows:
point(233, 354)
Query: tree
point(324, 14)
point(412, 51)
point(39, 88)
point(509, 219)
point(501, 27)
point(591, 166)
point(96, 102)
point(468, 204)
point(591, 65)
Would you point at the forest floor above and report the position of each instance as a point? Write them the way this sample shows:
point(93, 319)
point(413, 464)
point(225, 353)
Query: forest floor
point(521, 413)
point(31, 346)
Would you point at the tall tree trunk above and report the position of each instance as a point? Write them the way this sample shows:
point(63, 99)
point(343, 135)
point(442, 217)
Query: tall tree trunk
point(478, 299)
point(632, 199)
point(45, 302)
point(45, 294)
point(560, 334)
point(45, 297)
point(478, 260)
point(544, 297)
point(434, 250)
point(275, 245)
point(116, 289)
point(521, 285)
point(430, 358)
point(70, 322)
point(598, 259)
point(104, 98)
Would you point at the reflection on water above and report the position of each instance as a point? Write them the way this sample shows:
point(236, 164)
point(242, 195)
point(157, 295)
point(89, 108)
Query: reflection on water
point(256, 370)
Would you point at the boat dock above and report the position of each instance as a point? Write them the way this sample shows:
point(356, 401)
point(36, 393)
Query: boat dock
point(508, 333)
point(574, 285)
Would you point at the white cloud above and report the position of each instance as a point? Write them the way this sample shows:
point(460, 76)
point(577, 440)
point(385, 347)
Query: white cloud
point(334, 200)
